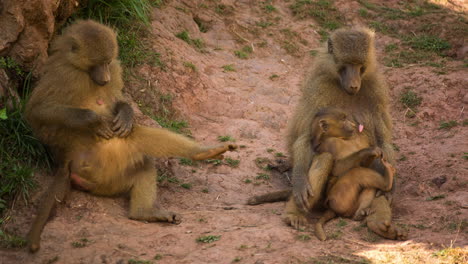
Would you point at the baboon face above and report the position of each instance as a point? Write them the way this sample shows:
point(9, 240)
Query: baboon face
point(92, 48)
point(337, 125)
point(350, 77)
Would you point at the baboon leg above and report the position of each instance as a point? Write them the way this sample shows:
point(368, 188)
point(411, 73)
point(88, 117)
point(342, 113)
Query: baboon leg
point(318, 175)
point(143, 195)
point(380, 220)
point(361, 158)
point(365, 199)
point(157, 142)
point(56, 193)
point(319, 232)
point(293, 216)
point(270, 197)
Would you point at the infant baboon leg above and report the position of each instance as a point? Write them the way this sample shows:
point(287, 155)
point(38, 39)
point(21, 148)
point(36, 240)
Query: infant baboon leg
point(270, 197)
point(319, 232)
point(56, 193)
point(365, 199)
point(380, 220)
point(318, 176)
point(143, 196)
point(157, 142)
point(354, 160)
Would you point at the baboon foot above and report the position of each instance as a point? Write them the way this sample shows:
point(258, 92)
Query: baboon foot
point(297, 221)
point(159, 216)
point(361, 214)
point(387, 230)
point(215, 152)
point(319, 232)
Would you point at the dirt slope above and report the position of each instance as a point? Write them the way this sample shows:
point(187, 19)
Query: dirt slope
point(252, 105)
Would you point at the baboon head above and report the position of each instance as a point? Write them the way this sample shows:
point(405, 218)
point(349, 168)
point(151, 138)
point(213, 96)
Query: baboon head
point(332, 122)
point(90, 47)
point(353, 53)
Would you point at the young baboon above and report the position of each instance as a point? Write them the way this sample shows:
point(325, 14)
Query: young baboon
point(344, 75)
point(350, 191)
point(78, 111)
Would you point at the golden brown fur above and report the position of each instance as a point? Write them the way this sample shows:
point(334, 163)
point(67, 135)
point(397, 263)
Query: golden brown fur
point(345, 76)
point(79, 112)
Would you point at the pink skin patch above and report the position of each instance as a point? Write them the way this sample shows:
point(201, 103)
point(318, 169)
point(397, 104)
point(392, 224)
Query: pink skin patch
point(100, 101)
point(361, 128)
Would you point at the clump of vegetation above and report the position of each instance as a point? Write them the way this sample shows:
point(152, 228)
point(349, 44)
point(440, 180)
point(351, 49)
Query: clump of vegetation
point(190, 66)
point(199, 44)
point(208, 239)
point(303, 237)
point(262, 176)
point(232, 162)
point(428, 43)
point(229, 68)
point(411, 100)
point(223, 9)
point(244, 52)
point(11, 241)
point(268, 7)
point(81, 243)
point(187, 186)
point(448, 125)
point(226, 138)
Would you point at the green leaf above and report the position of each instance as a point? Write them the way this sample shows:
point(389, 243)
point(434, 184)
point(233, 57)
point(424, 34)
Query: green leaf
point(3, 114)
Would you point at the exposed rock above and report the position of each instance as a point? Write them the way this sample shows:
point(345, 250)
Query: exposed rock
point(27, 26)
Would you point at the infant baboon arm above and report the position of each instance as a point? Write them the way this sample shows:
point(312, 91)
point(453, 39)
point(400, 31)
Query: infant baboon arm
point(356, 159)
point(56, 193)
point(157, 142)
point(327, 216)
point(272, 197)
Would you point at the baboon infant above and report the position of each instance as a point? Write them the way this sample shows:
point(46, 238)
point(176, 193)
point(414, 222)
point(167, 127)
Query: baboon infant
point(349, 192)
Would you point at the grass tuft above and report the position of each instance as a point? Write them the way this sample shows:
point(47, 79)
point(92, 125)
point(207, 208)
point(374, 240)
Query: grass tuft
point(208, 239)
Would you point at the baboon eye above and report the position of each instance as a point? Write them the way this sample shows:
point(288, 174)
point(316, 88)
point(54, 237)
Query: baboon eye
point(363, 69)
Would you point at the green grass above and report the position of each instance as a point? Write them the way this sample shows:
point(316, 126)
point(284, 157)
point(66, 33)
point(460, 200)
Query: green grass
point(410, 99)
point(262, 176)
point(190, 66)
point(436, 197)
point(232, 162)
point(448, 125)
point(303, 237)
point(187, 186)
point(11, 241)
point(264, 24)
point(229, 68)
point(186, 162)
point(226, 138)
point(136, 261)
point(428, 43)
point(208, 239)
point(81, 243)
point(185, 36)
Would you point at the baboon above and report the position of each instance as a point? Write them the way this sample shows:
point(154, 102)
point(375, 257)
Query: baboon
point(77, 109)
point(351, 190)
point(344, 75)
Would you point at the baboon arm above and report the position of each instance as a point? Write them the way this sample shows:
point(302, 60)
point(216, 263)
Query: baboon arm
point(157, 142)
point(302, 159)
point(73, 118)
point(56, 193)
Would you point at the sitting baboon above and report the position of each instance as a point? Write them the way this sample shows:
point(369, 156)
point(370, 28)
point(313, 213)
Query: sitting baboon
point(344, 75)
point(79, 112)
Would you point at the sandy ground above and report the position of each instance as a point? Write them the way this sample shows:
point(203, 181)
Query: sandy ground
point(253, 105)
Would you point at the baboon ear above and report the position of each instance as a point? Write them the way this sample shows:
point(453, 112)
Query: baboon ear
point(323, 125)
point(330, 46)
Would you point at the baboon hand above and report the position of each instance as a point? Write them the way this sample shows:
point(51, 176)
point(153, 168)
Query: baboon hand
point(103, 130)
point(302, 191)
point(123, 120)
point(214, 152)
point(122, 125)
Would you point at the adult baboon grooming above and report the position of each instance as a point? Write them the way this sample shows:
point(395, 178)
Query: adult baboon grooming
point(345, 76)
point(78, 111)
